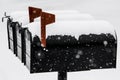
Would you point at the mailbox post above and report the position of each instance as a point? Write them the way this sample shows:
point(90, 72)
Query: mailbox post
point(62, 75)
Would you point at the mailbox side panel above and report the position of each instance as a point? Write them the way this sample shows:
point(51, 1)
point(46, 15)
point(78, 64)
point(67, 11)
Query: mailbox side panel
point(28, 49)
point(20, 34)
point(19, 41)
point(8, 25)
point(12, 36)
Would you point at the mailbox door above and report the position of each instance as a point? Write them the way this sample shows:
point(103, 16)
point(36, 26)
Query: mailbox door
point(10, 31)
point(12, 36)
point(19, 41)
point(28, 48)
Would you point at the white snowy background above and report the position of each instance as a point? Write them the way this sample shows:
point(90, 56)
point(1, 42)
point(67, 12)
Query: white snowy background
point(11, 67)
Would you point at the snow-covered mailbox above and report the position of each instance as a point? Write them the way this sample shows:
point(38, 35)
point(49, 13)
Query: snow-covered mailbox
point(68, 44)
point(17, 22)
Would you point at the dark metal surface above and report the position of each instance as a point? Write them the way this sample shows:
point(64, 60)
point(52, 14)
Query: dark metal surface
point(66, 53)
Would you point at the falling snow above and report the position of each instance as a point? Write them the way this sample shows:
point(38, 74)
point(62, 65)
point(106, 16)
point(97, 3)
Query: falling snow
point(58, 38)
point(46, 50)
point(80, 52)
point(39, 54)
point(77, 56)
point(100, 67)
point(72, 63)
point(50, 69)
point(105, 43)
point(91, 60)
point(67, 53)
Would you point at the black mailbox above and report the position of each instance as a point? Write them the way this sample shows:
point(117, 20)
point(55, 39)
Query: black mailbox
point(61, 52)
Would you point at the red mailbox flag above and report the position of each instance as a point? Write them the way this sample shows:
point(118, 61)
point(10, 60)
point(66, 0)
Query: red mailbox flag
point(46, 18)
point(34, 13)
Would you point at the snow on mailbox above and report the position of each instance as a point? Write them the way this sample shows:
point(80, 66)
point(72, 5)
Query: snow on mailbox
point(61, 41)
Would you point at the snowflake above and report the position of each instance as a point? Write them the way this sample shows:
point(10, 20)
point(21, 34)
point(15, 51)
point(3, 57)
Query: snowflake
point(67, 47)
point(80, 52)
point(90, 60)
point(68, 67)
point(46, 50)
point(72, 63)
point(40, 60)
point(105, 43)
point(77, 56)
point(39, 54)
point(41, 69)
point(50, 69)
point(90, 35)
point(107, 64)
point(101, 67)
point(87, 45)
point(58, 38)
point(110, 63)
point(87, 58)
point(65, 59)
point(67, 53)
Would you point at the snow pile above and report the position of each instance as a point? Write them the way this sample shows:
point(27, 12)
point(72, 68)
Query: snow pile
point(68, 22)
point(23, 16)
point(70, 15)
point(74, 17)
point(76, 28)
